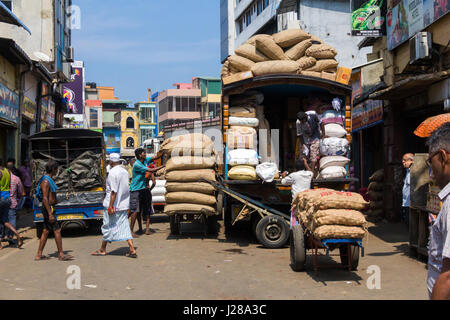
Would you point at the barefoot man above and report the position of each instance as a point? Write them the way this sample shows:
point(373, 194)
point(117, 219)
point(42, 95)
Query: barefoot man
point(117, 202)
point(46, 194)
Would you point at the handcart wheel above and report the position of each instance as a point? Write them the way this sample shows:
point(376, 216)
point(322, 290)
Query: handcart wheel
point(354, 256)
point(272, 232)
point(298, 249)
point(174, 225)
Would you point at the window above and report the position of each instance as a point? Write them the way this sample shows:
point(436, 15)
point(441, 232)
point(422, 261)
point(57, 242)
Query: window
point(164, 106)
point(130, 123)
point(130, 143)
point(259, 7)
point(93, 118)
point(178, 104)
point(265, 3)
point(185, 104)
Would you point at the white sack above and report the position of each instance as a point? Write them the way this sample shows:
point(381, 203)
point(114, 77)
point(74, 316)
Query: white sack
point(333, 172)
point(242, 157)
point(333, 147)
point(335, 130)
point(333, 161)
point(267, 171)
point(244, 122)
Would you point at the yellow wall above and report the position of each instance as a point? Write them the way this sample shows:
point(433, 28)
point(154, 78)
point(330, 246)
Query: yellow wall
point(214, 98)
point(8, 74)
point(106, 93)
point(127, 133)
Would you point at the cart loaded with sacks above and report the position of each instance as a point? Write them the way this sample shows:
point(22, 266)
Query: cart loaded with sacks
point(326, 219)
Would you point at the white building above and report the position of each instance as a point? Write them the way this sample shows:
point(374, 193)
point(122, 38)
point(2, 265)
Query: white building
point(329, 20)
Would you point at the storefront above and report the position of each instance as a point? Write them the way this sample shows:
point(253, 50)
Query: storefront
point(9, 117)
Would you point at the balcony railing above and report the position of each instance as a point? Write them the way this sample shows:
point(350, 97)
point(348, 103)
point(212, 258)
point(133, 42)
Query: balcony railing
point(189, 123)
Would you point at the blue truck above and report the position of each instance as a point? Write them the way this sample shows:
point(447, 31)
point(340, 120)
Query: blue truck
point(81, 175)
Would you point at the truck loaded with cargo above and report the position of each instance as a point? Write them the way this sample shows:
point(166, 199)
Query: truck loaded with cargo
point(266, 84)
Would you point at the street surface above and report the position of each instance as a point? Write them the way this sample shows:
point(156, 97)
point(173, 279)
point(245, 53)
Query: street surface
point(193, 267)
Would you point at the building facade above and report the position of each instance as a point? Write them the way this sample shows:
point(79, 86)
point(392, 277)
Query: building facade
point(329, 20)
point(148, 120)
point(129, 125)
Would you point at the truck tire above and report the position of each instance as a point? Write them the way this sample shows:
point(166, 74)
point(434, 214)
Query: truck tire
point(272, 232)
point(298, 249)
point(212, 225)
point(174, 225)
point(354, 256)
point(39, 229)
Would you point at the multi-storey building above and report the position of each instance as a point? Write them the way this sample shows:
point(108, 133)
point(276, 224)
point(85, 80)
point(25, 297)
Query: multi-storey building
point(148, 120)
point(329, 20)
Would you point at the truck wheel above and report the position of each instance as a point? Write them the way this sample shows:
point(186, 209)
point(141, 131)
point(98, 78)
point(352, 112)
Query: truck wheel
point(39, 229)
point(220, 204)
point(354, 256)
point(174, 225)
point(298, 249)
point(211, 224)
point(272, 232)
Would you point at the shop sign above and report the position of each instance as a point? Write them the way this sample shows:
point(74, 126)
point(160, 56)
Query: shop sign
point(74, 90)
point(51, 114)
point(368, 18)
point(9, 104)
point(29, 109)
point(44, 110)
point(411, 16)
point(356, 81)
point(367, 114)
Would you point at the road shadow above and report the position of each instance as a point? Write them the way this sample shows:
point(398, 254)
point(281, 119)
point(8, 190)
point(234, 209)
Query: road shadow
point(402, 249)
point(329, 270)
point(239, 234)
point(390, 232)
point(121, 252)
point(66, 252)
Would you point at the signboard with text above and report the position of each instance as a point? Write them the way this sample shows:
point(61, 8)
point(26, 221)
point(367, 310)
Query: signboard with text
point(367, 114)
point(368, 18)
point(29, 109)
point(411, 16)
point(74, 90)
point(9, 104)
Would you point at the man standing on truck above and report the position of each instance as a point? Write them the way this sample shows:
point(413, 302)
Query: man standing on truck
point(438, 280)
point(117, 201)
point(139, 188)
point(46, 194)
point(308, 132)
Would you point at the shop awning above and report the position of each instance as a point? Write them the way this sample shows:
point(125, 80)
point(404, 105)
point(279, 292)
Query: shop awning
point(7, 16)
point(11, 51)
point(411, 85)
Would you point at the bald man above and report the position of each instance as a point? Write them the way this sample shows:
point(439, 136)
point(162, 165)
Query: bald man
point(407, 161)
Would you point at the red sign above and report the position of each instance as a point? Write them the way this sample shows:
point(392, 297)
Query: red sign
point(367, 114)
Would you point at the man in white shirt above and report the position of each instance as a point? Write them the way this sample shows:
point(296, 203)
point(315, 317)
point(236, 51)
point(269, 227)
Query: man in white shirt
point(438, 280)
point(117, 203)
point(300, 180)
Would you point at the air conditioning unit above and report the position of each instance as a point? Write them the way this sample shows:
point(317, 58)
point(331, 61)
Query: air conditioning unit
point(420, 47)
point(70, 54)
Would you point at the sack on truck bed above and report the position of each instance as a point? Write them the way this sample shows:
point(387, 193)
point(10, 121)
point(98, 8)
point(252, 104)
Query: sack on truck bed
point(288, 38)
point(339, 232)
point(333, 161)
point(190, 197)
point(172, 209)
point(191, 175)
point(252, 40)
point(190, 163)
point(244, 122)
point(298, 51)
point(198, 187)
point(188, 144)
point(333, 147)
point(240, 63)
point(321, 51)
point(242, 173)
point(324, 65)
point(242, 157)
point(250, 52)
point(333, 172)
point(159, 191)
point(276, 66)
point(241, 138)
point(245, 112)
point(270, 49)
point(306, 63)
point(330, 199)
point(339, 217)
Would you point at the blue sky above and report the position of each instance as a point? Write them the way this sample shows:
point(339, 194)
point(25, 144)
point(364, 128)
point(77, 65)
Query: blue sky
point(138, 44)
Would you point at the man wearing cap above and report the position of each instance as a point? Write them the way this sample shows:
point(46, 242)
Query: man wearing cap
point(117, 202)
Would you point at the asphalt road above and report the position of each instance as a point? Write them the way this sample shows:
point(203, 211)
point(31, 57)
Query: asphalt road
point(194, 267)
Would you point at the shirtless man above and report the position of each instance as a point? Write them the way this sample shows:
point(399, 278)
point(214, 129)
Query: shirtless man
point(46, 193)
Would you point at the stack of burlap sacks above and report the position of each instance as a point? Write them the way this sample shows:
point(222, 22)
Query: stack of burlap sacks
point(329, 214)
point(289, 51)
point(191, 158)
point(376, 195)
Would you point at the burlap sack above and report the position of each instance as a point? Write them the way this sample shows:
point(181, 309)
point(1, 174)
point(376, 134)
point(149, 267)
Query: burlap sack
point(188, 145)
point(242, 173)
point(335, 200)
point(275, 66)
point(198, 187)
point(306, 62)
point(250, 52)
point(378, 176)
point(190, 163)
point(311, 74)
point(241, 138)
point(321, 51)
point(190, 175)
point(298, 51)
point(375, 196)
point(288, 38)
point(269, 48)
point(161, 172)
point(339, 217)
point(240, 63)
point(376, 186)
point(322, 65)
point(304, 196)
point(376, 205)
point(316, 40)
point(339, 232)
point(225, 71)
point(190, 197)
point(253, 39)
point(172, 209)
point(245, 112)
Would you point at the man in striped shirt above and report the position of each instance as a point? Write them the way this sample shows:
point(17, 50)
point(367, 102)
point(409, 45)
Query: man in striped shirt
point(16, 193)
